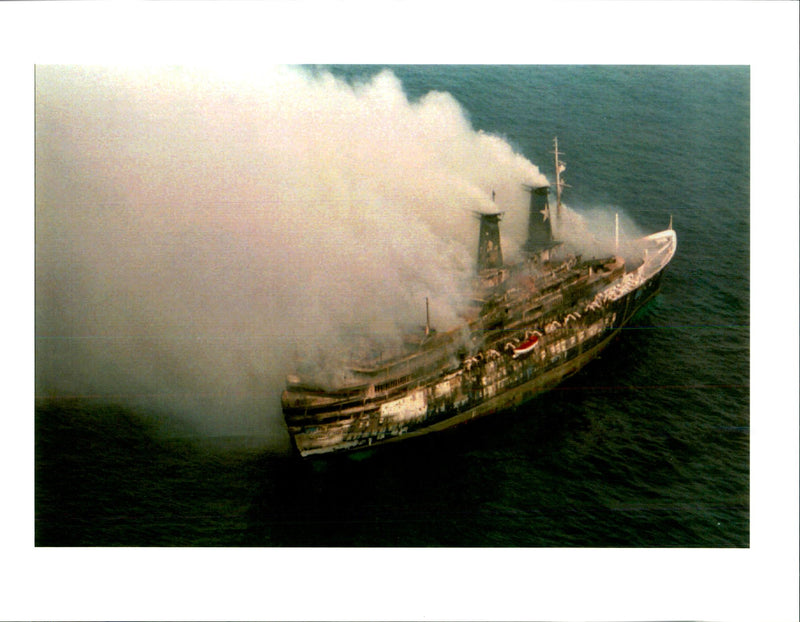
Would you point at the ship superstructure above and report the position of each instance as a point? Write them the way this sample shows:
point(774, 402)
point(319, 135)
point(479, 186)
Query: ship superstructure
point(531, 325)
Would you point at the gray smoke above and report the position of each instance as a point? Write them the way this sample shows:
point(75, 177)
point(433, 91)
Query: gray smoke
point(196, 230)
point(591, 232)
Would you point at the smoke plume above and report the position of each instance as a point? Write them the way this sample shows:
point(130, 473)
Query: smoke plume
point(196, 230)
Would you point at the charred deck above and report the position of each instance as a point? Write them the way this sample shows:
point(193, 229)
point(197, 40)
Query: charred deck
point(531, 325)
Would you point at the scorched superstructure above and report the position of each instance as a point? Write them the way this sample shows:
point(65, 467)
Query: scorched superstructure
point(531, 325)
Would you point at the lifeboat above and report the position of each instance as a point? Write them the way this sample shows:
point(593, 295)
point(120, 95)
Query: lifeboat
point(526, 347)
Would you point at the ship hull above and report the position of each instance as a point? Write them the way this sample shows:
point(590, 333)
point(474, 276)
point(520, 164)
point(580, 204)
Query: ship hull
point(485, 385)
point(515, 397)
point(509, 400)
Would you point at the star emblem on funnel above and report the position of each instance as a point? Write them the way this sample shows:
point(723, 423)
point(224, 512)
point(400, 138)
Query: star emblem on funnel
point(545, 213)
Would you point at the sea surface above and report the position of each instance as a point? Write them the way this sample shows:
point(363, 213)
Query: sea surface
point(647, 447)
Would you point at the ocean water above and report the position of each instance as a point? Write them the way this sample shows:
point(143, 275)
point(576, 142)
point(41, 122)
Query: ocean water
point(647, 447)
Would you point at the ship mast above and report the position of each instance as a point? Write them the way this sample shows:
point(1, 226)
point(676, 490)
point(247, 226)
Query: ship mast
point(427, 318)
point(560, 168)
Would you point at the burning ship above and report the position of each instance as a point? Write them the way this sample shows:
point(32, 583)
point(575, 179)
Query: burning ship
point(529, 326)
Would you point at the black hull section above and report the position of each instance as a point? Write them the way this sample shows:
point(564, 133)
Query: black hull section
point(488, 387)
point(571, 313)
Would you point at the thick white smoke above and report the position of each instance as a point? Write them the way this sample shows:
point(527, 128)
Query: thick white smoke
point(197, 229)
point(595, 232)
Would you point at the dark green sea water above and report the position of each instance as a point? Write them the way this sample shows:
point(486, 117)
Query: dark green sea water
point(648, 447)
